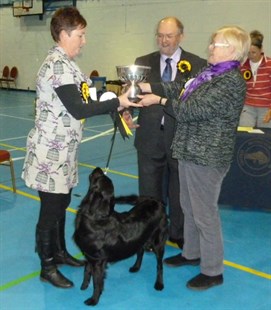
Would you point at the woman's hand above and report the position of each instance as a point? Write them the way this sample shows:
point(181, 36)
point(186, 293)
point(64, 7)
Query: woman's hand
point(126, 103)
point(127, 117)
point(149, 99)
point(267, 117)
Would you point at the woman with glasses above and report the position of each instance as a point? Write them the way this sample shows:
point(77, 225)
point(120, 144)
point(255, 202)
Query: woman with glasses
point(257, 73)
point(207, 112)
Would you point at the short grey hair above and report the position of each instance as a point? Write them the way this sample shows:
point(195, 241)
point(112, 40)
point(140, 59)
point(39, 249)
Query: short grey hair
point(236, 37)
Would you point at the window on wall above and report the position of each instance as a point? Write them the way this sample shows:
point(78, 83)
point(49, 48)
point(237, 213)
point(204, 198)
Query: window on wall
point(6, 2)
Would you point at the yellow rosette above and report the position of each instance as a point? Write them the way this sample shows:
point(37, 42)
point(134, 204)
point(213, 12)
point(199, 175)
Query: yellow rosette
point(184, 66)
point(247, 75)
point(85, 94)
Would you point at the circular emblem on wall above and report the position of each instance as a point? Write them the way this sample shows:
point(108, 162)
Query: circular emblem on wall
point(254, 157)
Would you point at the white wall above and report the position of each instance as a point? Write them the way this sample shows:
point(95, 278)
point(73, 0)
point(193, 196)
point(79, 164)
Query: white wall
point(120, 30)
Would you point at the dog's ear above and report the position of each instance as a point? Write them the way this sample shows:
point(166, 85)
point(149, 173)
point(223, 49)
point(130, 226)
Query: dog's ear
point(96, 173)
point(98, 207)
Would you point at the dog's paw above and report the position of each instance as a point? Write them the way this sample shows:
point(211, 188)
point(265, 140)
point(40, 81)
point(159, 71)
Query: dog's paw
point(133, 269)
point(159, 286)
point(84, 286)
point(91, 302)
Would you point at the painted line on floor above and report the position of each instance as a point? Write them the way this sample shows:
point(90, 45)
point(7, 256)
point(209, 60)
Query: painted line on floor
point(28, 277)
point(249, 270)
point(111, 171)
point(104, 133)
point(19, 281)
point(34, 274)
point(12, 147)
point(19, 192)
point(236, 266)
point(31, 196)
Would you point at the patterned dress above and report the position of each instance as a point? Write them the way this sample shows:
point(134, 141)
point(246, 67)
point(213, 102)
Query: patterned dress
point(52, 145)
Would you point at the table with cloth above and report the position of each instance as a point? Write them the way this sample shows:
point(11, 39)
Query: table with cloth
point(248, 182)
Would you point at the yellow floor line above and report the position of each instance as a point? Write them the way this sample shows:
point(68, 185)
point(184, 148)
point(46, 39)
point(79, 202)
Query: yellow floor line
point(111, 171)
point(236, 266)
point(12, 147)
point(249, 270)
point(227, 263)
point(19, 192)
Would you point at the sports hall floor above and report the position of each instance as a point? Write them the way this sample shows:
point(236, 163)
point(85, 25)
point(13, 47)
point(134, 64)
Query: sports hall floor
point(247, 235)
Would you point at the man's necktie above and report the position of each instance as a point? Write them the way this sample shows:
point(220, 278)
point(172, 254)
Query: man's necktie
point(166, 77)
point(167, 74)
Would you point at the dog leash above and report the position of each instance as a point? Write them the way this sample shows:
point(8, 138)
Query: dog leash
point(113, 141)
point(111, 149)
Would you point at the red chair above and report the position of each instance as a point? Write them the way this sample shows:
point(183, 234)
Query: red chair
point(5, 159)
point(13, 76)
point(94, 73)
point(5, 76)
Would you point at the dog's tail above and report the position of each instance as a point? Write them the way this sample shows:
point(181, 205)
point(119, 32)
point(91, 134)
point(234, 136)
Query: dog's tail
point(130, 200)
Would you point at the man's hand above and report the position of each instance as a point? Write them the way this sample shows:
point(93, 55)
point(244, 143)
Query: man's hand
point(149, 99)
point(267, 116)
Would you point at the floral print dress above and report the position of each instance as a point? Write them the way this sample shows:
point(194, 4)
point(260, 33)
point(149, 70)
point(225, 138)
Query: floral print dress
point(52, 145)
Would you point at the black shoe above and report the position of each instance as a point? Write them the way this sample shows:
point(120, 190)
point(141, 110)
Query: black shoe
point(179, 260)
point(65, 258)
point(179, 242)
point(202, 282)
point(55, 277)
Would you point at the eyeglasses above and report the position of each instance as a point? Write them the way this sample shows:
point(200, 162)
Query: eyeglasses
point(213, 45)
point(161, 36)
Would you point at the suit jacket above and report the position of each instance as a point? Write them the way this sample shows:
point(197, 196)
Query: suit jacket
point(148, 135)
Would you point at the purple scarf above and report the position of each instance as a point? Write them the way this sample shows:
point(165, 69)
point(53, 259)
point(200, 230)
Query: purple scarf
point(206, 75)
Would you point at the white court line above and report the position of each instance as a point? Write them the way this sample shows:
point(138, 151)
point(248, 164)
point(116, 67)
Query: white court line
point(23, 118)
point(102, 133)
point(82, 141)
point(18, 158)
point(15, 138)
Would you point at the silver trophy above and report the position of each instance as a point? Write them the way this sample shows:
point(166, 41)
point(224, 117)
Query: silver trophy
point(132, 75)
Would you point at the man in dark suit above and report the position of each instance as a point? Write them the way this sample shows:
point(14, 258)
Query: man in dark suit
point(157, 170)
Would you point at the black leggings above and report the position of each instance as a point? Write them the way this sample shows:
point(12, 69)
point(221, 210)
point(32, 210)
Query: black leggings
point(52, 209)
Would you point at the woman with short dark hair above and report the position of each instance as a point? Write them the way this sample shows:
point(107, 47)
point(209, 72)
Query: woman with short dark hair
point(51, 167)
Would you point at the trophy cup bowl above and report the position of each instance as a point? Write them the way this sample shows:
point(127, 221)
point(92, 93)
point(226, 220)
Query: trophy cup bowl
point(132, 75)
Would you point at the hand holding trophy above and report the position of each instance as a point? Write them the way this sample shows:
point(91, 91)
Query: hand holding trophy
point(132, 75)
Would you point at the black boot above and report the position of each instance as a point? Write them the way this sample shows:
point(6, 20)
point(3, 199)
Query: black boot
point(61, 255)
point(49, 271)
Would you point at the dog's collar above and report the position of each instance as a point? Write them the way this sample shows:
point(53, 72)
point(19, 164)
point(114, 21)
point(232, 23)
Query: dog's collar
point(94, 258)
point(102, 218)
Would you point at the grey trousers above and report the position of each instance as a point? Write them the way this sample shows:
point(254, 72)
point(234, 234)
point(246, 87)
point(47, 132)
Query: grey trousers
point(200, 189)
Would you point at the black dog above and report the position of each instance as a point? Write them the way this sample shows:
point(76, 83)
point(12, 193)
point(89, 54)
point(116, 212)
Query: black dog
point(104, 235)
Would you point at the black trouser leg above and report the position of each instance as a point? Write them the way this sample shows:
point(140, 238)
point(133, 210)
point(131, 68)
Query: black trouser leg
point(49, 271)
point(61, 255)
point(53, 217)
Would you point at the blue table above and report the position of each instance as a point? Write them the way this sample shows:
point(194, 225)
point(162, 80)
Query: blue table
point(248, 182)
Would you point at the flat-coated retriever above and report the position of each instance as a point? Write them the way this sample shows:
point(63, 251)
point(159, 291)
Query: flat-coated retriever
point(104, 235)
